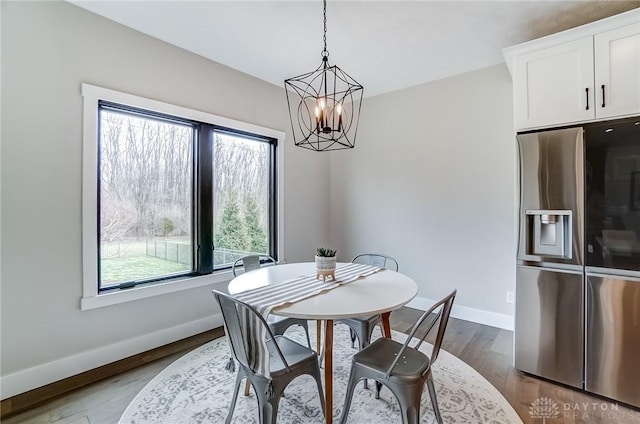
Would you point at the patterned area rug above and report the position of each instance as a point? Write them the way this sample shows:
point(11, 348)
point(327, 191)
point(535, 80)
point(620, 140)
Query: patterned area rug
point(197, 389)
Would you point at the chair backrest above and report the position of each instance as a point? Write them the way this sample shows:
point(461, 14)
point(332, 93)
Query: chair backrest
point(251, 262)
point(442, 310)
point(377, 259)
point(238, 334)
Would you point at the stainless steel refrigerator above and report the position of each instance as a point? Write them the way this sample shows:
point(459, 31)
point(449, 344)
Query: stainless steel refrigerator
point(549, 329)
point(578, 260)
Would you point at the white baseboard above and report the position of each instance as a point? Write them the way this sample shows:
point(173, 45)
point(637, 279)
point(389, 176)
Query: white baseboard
point(41, 375)
point(466, 313)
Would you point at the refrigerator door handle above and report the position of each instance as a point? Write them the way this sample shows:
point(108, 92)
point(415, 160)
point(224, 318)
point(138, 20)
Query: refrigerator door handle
point(613, 273)
point(567, 269)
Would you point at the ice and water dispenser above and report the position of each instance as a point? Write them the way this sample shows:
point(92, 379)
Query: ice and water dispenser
point(549, 233)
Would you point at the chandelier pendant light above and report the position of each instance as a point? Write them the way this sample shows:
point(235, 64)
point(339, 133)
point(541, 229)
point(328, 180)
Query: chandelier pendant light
point(324, 105)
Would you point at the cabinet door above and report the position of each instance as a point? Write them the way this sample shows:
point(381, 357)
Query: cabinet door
point(554, 85)
point(617, 59)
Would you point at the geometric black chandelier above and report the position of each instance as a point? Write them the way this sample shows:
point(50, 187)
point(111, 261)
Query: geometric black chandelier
point(324, 105)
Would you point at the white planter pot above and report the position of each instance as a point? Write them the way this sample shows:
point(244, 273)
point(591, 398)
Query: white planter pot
point(325, 263)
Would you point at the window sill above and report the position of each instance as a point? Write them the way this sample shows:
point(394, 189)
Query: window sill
point(136, 293)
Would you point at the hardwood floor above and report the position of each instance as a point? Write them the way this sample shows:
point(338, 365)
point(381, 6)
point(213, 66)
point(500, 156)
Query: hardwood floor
point(486, 349)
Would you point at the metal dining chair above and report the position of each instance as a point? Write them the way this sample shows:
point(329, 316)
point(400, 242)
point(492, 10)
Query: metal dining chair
point(288, 359)
point(401, 368)
point(277, 324)
point(360, 328)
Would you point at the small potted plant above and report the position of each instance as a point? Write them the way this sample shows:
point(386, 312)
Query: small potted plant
point(325, 263)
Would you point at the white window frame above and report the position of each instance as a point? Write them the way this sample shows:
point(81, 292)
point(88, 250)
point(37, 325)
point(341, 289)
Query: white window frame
point(91, 95)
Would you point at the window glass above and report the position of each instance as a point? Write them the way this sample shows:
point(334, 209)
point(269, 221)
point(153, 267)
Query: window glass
point(145, 204)
point(241, 174)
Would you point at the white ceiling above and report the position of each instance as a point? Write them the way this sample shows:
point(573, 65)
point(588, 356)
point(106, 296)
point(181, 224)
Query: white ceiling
point(384, 45)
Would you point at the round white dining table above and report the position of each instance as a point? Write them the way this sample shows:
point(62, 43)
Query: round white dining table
point(378, 293)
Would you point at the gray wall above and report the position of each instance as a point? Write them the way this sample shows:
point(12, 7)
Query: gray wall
point(48, 50)
point(432, 182)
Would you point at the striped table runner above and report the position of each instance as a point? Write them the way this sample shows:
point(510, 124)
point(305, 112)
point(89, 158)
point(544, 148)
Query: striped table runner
point(265, 299)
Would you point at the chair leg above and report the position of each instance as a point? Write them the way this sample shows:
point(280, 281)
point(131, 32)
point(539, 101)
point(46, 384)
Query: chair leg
point(409, 400)
point(267, 408)
point(434, 399)
point(306, 330)
point(364, 340)
point(266, 413)
point(364, 344)
point(363, 335)
point(316, 375)
point(353, 337)
point(274, 403)
point(235, 397)
point(410, 415)
point(351, 385)
point(378, 388)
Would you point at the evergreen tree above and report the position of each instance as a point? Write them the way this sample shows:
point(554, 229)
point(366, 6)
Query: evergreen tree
point(233, 234)
point(255, 232)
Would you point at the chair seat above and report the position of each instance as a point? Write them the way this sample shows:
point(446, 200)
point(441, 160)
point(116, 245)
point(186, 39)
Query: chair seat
point(377, 357)
point(293, 352)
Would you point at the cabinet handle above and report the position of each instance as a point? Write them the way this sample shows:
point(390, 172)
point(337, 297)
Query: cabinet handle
point(603, 103)
point(587, 93)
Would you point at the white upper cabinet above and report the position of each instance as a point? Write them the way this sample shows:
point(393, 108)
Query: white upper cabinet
point(584, 74)
point(617, 68)
point(554, 85)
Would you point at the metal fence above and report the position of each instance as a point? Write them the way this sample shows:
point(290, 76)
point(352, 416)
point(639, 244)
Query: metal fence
point(169, 251)
point(175, 251)
point(222, 257)
point(122, 249)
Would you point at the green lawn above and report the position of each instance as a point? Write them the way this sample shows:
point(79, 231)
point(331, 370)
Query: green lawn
point(119, 270)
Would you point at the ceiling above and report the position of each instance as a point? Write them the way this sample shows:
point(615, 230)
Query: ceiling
point(384, 45)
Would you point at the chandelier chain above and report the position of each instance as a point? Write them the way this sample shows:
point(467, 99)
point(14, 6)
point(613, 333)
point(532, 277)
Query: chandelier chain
point(325, 52)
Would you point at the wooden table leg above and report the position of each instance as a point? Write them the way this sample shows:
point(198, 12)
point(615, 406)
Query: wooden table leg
point(318, 336)
point(328, 369)
point(386, 325)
